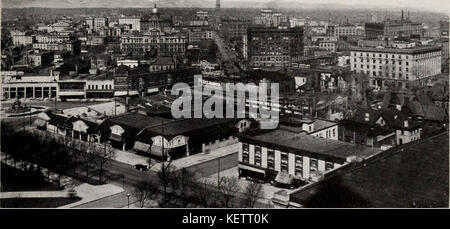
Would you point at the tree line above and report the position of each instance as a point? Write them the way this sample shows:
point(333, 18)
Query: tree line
point(59, 155)
point(182, 189)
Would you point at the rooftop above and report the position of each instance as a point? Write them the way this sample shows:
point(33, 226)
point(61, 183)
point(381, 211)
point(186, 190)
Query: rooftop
point(418, 49)
point(286, 140)
point(385, 180)
point(136, 120)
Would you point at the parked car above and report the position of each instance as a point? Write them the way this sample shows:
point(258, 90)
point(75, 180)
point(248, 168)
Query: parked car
point(141, 167)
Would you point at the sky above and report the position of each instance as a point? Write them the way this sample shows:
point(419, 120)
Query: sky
point(442, 6)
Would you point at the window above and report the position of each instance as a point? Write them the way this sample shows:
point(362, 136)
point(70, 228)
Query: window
point(329, 166)
point(245, 149)
point(313, 164)
point(258, 155)
point(284, 162)
point(270, 159)
point(298, 165)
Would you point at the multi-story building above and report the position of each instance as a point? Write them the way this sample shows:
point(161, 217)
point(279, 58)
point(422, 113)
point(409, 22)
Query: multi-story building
point(265, 155)
point(74, 47)
point(199, 34)
point(165, 44)
point(274, 47)
point(396, 66)
point(100, 86)
point(318, 127)
point(327, 45)
point(141, 80)
point(20, 85)
point(135, 22)
point(234, 27)
point(403, 27)
point(52, 38)
point(346, 30)
point(297, 22)
point(94, 24)
point(40, 59)
point(269, 18)
point(22, 38)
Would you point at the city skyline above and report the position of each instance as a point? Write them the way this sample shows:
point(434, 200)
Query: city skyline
point(433, 5)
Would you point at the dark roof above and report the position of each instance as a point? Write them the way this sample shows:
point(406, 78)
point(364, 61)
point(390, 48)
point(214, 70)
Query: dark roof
point(183, 126)
point(135, 120)
point(56, 119)
point(360, 115)
point(392, 179)
point(395, 119)
point(369, 129)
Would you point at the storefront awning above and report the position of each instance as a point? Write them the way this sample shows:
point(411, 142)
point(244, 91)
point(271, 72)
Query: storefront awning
point(115, 137)
point(152, 90)
point(157, 151)
point(141, 147)
point(252, 169)
point(284, 178)
point(40, 123)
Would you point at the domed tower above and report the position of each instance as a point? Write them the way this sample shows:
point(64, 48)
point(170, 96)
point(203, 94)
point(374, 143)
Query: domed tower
point(155, 10)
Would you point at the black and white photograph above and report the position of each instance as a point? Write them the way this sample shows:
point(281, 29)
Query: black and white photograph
point(224, 104)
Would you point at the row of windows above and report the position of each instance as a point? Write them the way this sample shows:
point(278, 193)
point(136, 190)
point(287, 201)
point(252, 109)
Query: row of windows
point(380, 74)
point(394, 68)
point(92, 87)
point(379, 61)
point(284, 160)
point(379, 55)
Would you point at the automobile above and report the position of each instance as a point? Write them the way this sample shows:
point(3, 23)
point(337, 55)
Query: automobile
point(141, 167)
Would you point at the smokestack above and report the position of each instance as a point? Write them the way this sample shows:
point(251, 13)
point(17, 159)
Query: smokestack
point(408, 15)
point(402, 16)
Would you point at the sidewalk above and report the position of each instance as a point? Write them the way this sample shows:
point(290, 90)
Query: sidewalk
point(130, 158)
point(187, 162)
point(89, 193)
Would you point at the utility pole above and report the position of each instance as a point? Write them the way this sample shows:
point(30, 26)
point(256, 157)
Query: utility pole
point(218, 173)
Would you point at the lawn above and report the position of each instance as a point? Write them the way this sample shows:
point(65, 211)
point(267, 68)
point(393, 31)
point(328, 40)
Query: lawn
point(37, 202)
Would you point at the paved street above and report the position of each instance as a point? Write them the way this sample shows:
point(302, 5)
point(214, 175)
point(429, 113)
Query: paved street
point(227, 56)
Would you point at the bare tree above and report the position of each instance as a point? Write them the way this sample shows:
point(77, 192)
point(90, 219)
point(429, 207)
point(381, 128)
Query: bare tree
point(144, 192)
point(103, 155)
point(204, 195)
point(166, 177)
point(228, 187)
point(253, 191)
point(184, 186)
point(87, 153)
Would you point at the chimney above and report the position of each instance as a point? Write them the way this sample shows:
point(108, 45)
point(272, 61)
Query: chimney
point(408, 15)
point(405, 123)
point(403, 16)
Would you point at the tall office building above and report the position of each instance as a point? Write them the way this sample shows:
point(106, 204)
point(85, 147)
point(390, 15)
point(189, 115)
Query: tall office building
point(274, 47)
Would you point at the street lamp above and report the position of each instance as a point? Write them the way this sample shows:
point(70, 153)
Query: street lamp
point(128, 196)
